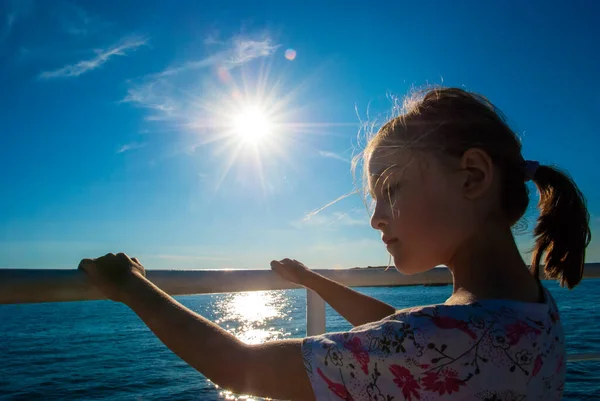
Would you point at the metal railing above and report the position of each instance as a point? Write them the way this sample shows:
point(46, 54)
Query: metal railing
point(18, 286)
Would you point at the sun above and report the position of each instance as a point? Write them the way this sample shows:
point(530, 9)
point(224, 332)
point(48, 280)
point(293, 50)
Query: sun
point(252, 125)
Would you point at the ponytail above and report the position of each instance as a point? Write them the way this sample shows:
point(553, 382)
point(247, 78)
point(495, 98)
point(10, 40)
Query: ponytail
point(563, 227)
point(452, 120)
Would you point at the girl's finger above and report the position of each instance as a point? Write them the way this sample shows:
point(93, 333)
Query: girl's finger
point(84, 264)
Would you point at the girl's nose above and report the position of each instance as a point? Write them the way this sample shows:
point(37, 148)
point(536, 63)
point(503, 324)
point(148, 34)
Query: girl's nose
point(380, 218)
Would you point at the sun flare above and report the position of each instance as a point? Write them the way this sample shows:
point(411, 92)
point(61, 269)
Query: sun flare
point(252, 125)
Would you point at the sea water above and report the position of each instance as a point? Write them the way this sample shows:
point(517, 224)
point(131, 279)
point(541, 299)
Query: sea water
point(101, 350)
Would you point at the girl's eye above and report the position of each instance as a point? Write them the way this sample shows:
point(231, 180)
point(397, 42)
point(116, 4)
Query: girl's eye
point(392, 189)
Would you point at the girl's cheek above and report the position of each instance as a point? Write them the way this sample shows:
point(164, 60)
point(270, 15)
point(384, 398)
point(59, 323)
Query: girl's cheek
point(409, 217)
point(425, 217)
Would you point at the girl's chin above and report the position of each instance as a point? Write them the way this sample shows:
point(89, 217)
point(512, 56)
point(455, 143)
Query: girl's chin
point(405, 271)
point(405, 267)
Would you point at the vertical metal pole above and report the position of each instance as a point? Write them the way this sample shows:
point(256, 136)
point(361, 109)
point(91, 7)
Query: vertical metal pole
point(315, 314)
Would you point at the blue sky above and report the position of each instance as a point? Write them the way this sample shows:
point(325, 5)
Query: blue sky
point(115, 119)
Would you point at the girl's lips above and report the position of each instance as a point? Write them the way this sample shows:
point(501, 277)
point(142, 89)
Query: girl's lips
point(389, 241)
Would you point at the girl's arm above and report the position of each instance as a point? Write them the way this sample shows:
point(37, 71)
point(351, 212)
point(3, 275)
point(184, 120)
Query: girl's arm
point(355, 307)
point(274, 369)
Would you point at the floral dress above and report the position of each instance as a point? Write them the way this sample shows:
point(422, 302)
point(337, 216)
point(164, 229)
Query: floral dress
point(488, 350)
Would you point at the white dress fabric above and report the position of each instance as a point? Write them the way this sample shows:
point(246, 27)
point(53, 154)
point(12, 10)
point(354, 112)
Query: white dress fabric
point(490, 350)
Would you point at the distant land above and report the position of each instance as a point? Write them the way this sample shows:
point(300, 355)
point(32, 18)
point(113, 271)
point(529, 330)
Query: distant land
point(392, 267)
point(388, 267)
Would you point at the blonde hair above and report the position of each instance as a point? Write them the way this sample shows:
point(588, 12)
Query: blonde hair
point(450, 121)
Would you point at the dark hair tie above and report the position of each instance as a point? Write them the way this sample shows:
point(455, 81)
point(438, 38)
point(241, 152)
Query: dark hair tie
point(530, 167)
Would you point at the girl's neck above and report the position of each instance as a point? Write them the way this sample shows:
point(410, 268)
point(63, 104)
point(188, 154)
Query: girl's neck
point(489, 266)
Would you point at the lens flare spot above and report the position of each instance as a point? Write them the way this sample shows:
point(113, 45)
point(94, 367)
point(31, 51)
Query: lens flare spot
point(290, 54)
point(236, 95)
point(224, 75)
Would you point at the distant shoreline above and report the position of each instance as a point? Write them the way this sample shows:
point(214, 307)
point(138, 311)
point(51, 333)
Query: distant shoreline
point(386, 267)
point(404, 285)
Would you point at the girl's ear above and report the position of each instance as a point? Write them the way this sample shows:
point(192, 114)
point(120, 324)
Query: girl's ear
point(479, 172)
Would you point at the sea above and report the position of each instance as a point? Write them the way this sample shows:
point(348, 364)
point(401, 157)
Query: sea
point(97, 350)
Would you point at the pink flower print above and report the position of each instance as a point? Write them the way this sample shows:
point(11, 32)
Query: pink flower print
point(537, 366)
point(406, 382)
point(448, 323)
point(361, 356)
point(515, 331)
point(443, 382)
point(336, 388)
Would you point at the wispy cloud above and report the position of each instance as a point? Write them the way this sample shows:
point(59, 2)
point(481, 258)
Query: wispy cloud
point(17, 9)
point(130, 146)
point(154, 95)
point(121, 48)
point(239, 52)
point(246, 50)
point(335, 219)
point(332, 155)
point(167, 93)
point(213, 39)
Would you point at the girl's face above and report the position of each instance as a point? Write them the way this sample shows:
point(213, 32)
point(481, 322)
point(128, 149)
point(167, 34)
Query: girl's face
point(420, 208)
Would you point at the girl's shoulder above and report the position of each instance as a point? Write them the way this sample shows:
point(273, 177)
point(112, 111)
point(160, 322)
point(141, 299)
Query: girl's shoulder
point(493, 348)
point(494, 309)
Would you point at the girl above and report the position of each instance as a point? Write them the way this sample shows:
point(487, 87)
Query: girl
point(448, 181)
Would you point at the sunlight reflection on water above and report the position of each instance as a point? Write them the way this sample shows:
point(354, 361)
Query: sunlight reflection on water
point(249, 315)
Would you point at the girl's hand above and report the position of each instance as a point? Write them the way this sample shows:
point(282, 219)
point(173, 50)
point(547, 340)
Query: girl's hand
point(113, 274)
point(291, 270)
